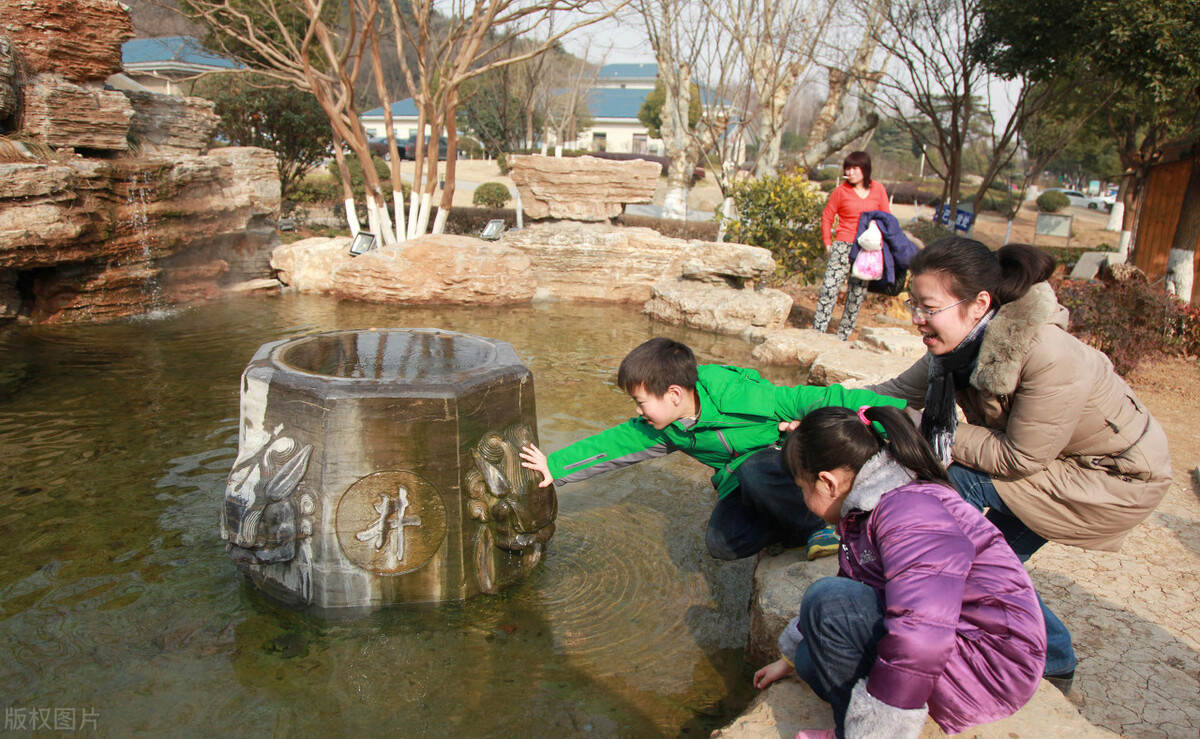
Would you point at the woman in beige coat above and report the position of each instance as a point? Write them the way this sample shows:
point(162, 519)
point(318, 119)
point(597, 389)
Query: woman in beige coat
point(1056, 445)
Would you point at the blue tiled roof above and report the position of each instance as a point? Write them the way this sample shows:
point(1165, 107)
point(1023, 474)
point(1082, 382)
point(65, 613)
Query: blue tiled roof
point(603, 102)
point(628, 71)
point(610, 102)
point(182, 49)
point(406, 108)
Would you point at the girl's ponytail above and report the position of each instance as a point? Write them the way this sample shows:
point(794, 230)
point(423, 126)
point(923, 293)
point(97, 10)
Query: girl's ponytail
point(834, 437)
point(906, 444)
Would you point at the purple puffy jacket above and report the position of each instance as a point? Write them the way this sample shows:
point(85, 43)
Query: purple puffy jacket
point(965, 633)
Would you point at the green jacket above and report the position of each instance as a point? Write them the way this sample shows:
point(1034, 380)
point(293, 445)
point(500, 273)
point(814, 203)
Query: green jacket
point(739, 414)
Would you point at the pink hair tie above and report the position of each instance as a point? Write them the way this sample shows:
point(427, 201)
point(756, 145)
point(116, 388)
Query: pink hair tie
point(875, 426)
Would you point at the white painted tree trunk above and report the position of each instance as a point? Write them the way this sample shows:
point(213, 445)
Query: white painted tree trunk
point(414, 211)
point(728, 212)
point(1123, 246)
point(398, 206)
point(1180, 274)
point(385, 224)
point(675, 202)
point(1115, 217)
point(423, 217)
point(352, 216)
point(439, 221)
point(558, 150)
point(373, 218)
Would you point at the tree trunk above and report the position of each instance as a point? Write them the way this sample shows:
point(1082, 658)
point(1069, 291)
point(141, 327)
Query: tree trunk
point(347, 191)
point(439, 223)
point(1182, 257)
point(676, 139)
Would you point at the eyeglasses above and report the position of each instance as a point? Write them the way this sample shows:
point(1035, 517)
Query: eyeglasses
point(925, 313)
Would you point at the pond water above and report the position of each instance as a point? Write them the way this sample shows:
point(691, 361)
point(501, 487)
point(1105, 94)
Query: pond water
point(121, 613)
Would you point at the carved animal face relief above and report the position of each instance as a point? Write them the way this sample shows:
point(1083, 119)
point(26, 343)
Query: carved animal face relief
point(504, 495)
point(263, 518)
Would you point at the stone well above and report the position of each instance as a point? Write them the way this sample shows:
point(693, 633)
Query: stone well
point(381, 467)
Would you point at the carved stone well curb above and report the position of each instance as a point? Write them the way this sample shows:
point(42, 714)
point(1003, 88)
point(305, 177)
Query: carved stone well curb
point(381, 467)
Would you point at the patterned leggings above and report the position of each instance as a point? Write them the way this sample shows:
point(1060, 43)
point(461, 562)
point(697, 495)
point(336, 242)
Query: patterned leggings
point(835, 274)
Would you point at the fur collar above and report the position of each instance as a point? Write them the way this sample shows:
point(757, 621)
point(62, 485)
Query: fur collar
point(1010, 336)
point(881, 473)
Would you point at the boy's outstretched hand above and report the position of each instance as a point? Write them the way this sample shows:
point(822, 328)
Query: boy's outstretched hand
point(777, 670)
point(533, 459)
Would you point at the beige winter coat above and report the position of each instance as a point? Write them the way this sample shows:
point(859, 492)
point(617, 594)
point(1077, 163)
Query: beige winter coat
point(1071, 450)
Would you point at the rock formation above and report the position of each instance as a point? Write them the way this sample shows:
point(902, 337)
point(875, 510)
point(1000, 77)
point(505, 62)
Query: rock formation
point(112, 209)
point(555, 261)
point(581, 188)
point(79, 39)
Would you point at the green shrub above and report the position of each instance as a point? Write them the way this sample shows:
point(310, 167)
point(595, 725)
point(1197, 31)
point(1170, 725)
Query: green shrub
point(1130, 319)
point(357, 184)
point(1052, 201)
point(470, 221)
point(502, 163)
point(491, 195)
point(782, 214)
point(320, 188)
point(672, 227)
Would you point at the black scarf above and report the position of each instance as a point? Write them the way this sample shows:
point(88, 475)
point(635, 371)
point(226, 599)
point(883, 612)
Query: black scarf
point(950, 370)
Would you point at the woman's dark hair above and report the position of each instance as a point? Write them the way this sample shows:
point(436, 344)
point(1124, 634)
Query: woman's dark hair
point(862, 160)
point(656, 365)
point(833, 437)
point(972, 268)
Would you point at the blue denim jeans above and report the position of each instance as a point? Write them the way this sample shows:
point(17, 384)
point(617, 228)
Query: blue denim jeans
point(977, 489)
point(767, 508)
point(842, 622)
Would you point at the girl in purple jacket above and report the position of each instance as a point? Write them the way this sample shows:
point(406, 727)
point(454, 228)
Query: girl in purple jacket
point(931, 613)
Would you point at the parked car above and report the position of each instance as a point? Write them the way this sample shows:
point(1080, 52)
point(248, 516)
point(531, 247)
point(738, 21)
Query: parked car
point(379, 146)
point(411, 148)
point(1081, 200)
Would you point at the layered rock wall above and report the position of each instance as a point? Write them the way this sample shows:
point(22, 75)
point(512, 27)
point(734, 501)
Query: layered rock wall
point(113, 209)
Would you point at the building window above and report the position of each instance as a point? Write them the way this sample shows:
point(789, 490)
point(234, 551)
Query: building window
point(639, 143)
point(599, 142)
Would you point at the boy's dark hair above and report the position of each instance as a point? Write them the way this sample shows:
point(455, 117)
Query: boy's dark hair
point(862, 160)
point(656, 365)
point(833, 437)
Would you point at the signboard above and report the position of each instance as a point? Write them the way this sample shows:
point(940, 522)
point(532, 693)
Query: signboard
point(1053, 224)
point(963, 219)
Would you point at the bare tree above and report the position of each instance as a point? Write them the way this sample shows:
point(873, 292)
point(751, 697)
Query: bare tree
point(776, 40)
point(848, 80)
point(563, 96)
point(314, 46)
point(464, 43)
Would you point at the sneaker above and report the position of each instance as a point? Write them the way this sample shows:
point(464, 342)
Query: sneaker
point(1062, 681)
point(822, 543)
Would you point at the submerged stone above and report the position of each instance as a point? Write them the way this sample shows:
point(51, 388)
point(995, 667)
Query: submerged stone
point(381, 467)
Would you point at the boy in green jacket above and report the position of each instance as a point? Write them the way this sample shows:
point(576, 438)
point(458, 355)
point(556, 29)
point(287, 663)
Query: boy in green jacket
point(729, 418)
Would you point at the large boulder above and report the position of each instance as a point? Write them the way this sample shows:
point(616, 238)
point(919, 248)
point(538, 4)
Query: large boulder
point(64, 114)
point(581, 188)
point(748, 312)
point(309, 265)
point(790, 705)
point(828, 359)
point(80, 39)
point(168, 125)
point(594, 261)
point(437, 269)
